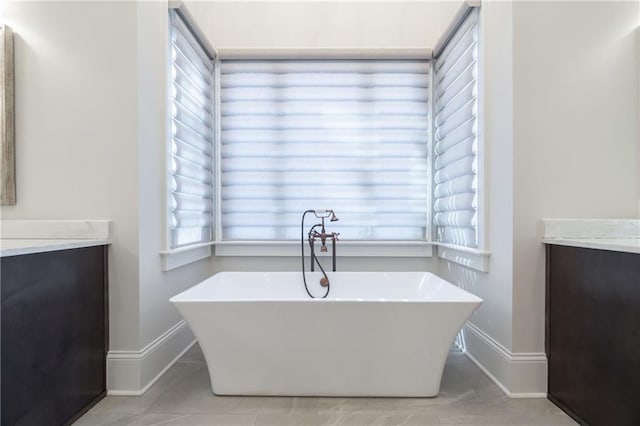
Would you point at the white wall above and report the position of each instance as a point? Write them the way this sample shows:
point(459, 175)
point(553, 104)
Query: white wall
point(90, 140)
point(576, 132)
point(157, 315)
point(561, 130)
point(323, 24)
point(76, 131)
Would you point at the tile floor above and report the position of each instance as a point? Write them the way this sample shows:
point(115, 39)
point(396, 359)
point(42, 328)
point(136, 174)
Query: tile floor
point(183, 397)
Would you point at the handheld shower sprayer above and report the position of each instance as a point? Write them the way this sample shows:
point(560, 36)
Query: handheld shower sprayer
point(323, 214)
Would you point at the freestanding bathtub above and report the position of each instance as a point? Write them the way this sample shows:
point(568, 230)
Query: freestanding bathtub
point(376, 334)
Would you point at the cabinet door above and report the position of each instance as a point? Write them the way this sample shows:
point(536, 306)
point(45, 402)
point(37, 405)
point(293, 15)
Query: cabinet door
point(54, 337)
point(593, 334)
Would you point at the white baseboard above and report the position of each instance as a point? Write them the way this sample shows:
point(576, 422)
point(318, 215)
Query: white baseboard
point(132, 373)
point(518, 375)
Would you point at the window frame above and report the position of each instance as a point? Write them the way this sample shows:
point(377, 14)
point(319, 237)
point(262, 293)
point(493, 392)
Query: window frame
point(346, 248)
point(358, 248)
point(473, 258)
point(175, 257)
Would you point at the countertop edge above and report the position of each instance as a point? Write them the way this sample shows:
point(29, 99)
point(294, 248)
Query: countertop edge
point(31, 246)
point(611, 244)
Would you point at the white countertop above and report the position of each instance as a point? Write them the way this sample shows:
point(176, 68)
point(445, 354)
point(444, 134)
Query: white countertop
point(628, 245)
point(14, 247)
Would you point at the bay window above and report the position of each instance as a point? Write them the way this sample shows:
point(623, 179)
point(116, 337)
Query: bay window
point(392, 145)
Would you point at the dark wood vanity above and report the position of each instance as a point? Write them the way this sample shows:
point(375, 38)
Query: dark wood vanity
point(54, 335)
point(593, 334)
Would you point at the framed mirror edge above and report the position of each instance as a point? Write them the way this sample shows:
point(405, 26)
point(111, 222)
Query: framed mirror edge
point(7, 119)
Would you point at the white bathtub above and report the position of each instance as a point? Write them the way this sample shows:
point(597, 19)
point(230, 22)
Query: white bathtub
point(376, 334)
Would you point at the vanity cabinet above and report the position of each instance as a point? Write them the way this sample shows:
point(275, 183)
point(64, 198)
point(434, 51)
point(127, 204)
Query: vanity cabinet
point(593, 334)
point(54, 335)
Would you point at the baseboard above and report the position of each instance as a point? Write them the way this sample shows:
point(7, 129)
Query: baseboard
point(132, 373)
point(518, 375)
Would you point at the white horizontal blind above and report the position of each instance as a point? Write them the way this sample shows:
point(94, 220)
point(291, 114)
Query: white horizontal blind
point(348, 135)
point(456, 139)
point(191, 131)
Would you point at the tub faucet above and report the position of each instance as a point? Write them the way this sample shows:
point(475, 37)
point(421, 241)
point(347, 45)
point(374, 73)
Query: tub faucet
point(312, 236)
point(323, 236)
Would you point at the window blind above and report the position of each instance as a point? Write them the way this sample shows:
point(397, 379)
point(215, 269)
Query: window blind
point(456, 141)
point(348, 135)
point(191, 134)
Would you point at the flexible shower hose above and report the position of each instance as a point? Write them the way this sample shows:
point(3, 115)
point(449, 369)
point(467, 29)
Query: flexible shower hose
point(314, 259)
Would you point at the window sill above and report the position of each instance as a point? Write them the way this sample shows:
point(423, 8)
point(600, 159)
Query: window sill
point(471, 258)
point(344, 249)
point(175, 258)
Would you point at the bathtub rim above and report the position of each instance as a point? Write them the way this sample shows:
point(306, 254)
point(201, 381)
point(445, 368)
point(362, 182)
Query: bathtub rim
point(470, 298)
